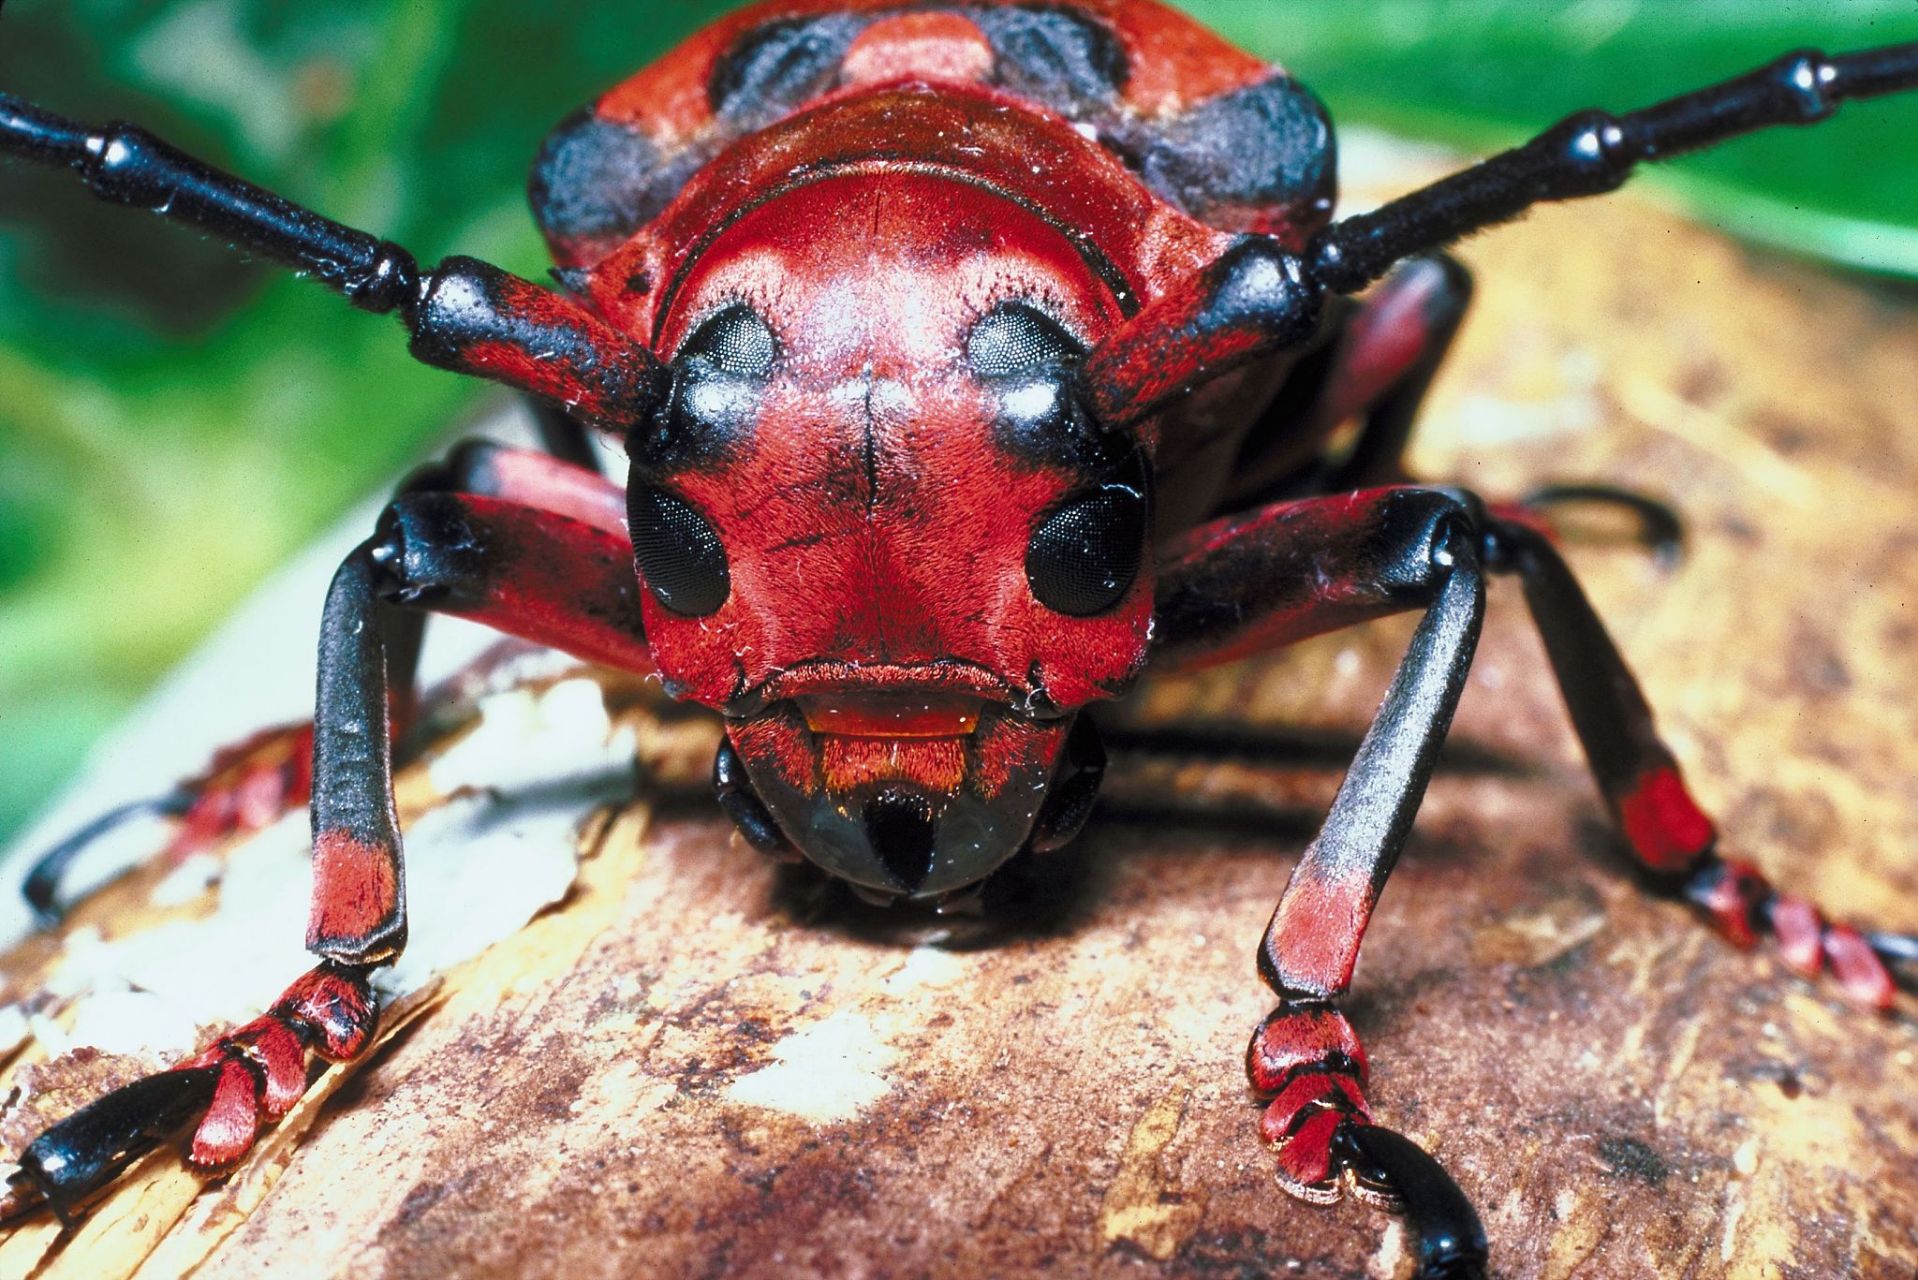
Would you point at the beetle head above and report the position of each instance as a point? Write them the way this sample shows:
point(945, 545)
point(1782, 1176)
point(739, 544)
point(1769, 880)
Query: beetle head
point(877, 529)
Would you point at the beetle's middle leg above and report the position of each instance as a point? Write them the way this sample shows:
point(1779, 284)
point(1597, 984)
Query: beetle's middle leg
point(526, 571)
point(1376, 371)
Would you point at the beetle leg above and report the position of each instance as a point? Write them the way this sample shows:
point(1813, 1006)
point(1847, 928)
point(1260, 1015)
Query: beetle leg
point(41, 887)
point(562, 435)
point(464, 315)
point(1298, 569)
point(1377, 369)
point(1282, 574)
point(1394, 345)
point(253, 783)
point(1667, 831)
point(522, 570)
point(221, 1094)
point(1661, 530)
point(527, 571)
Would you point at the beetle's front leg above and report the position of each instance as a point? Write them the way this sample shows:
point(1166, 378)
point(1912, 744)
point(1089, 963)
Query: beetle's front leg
point(530, 572)
point(1275, 577)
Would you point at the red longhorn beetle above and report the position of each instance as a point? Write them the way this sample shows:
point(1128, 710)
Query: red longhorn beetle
point(972, 358)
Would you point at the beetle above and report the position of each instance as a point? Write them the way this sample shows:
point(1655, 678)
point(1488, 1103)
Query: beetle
point(971, 360)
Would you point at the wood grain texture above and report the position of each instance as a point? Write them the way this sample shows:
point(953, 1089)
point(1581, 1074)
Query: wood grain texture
point(701, 1066)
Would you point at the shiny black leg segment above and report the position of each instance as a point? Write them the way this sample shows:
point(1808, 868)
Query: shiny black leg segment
point(1669, 835)
point(1608, 709)
point(1312, 943)
point(41, 888)
point(1451, 1240)
point(352, 803)
point(521, 569)
point(402, 631)
point(1899, 951)
point(561, 435)
point(1660, 528)
point(1591, 152)
point(73, 1159)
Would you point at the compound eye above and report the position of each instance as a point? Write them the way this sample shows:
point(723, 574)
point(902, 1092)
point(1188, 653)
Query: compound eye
point(677, 551)
point(732, 343)
point(1017, 340)
point(719, 377)
point(1086, 552)
point(1027, 359)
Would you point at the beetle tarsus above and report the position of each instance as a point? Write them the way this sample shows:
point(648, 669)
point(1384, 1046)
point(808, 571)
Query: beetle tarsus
point(1666, 830)
point(1899, 952)
point(254, 1072)
point(1451, 1239)
point(73, 1160)
point(1737, 899)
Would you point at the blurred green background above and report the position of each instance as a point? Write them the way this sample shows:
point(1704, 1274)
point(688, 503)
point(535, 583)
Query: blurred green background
point(175, 420)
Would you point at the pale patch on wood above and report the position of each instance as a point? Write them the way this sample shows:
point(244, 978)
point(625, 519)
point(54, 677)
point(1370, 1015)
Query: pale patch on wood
point(1392, 1262)
point(829, 1071)
point(1142, 1206)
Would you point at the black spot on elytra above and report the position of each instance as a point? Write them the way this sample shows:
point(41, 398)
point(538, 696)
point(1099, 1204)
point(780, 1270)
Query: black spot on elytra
point(596, 182)
point(778, 65)
point(1057, 56)
point(1266, 144)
